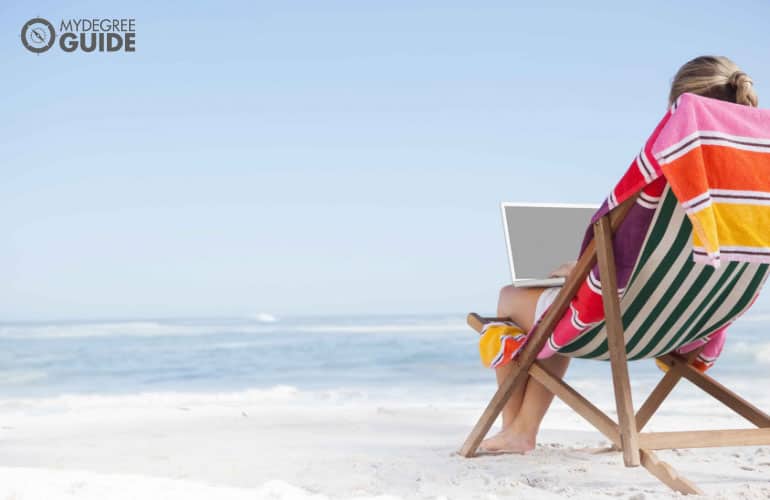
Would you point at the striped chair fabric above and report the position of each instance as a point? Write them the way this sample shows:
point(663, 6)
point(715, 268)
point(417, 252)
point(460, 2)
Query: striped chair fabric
point(670, 300)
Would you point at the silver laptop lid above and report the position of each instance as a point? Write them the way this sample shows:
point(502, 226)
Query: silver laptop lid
point(542, 236)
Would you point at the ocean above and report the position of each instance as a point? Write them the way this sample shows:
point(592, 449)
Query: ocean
point(419, 358)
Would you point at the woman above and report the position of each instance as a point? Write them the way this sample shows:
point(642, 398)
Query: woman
point(708, 76)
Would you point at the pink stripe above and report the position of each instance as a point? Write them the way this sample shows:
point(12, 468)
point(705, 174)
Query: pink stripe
point(704, 114)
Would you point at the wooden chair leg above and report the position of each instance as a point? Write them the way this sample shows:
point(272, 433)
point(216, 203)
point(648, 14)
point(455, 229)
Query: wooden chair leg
point(662, 390)
point(714, 438)
point(656, 398)
point(667, 474)
point(658, 468)
point(576, 401)
point(616, 342)
point(718, 391)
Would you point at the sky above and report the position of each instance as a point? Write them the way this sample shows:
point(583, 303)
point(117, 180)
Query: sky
point(321, 158)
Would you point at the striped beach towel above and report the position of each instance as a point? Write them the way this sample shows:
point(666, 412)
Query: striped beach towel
point(710, 160)
point(716, 157)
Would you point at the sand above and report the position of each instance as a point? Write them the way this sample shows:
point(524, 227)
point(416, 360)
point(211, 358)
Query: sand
point(280, 444)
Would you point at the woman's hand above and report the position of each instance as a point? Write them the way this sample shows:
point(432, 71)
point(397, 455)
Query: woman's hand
point(563, 270)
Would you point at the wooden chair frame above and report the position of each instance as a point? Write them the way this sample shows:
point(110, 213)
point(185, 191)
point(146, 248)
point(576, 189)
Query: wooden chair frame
point(637, 447)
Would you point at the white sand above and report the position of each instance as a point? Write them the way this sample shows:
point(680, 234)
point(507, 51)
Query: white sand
point(279, 444)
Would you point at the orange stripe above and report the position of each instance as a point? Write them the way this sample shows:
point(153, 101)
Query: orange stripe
point(729, 168)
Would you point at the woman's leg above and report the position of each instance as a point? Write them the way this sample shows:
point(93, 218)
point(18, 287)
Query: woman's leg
point(519, 435)
point(518, 304)
point(525, 409)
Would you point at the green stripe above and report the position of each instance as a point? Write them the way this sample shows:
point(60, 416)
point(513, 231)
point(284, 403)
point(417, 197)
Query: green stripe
point(698, 328)
point(680, 245)
point(683, 304)
point(666, 209)
point(727, 273)
point(748, 295)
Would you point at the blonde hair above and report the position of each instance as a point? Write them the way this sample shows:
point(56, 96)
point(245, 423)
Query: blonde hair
point(714, 76)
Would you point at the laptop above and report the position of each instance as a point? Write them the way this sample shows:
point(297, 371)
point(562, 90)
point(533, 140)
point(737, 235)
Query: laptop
point(541, 237)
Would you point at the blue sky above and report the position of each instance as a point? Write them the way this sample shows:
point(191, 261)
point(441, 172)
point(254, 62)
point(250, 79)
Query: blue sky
point(321, 157)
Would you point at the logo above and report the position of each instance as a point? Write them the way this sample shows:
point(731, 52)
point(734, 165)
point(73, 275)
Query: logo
point(80, 35)
point(38, 35)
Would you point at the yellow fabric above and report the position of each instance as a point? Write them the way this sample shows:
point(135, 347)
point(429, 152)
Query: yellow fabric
point(499, 343)
point(731, 224)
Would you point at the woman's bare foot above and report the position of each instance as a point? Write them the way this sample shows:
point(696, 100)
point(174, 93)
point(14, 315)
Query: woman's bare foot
point(508, 440)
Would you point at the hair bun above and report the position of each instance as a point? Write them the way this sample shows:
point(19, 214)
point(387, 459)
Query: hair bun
point(739, 79)
point(744, 92)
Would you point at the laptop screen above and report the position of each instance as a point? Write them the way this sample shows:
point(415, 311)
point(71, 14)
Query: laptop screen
point(541, 237)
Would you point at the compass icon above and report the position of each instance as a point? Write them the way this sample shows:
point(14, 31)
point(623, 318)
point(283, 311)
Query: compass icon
point(38, 35)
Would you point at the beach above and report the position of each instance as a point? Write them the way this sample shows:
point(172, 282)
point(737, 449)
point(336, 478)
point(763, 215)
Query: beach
point(365, 429)
point(241, 240)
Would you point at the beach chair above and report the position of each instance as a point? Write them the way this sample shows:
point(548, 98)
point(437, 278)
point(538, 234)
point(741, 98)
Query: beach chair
point(669, 301)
